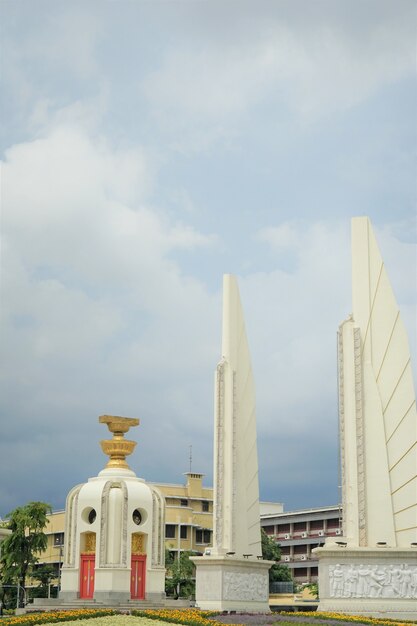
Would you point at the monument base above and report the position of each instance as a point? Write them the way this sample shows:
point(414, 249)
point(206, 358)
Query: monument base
point(225, 583)
point(376, 582)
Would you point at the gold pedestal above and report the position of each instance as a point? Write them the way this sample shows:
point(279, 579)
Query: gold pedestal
point(118, 448)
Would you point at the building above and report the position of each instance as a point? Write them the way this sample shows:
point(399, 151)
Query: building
point(3, 534)
point(53, 554)
point(188, 514)
point(189, 527)
point(298, 532)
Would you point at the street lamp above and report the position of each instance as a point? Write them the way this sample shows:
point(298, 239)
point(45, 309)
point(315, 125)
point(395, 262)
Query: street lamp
point(18, 588)
point(59, 569)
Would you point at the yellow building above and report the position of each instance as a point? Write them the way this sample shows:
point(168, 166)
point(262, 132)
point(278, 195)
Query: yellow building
point(55, 533)
point(189, 514)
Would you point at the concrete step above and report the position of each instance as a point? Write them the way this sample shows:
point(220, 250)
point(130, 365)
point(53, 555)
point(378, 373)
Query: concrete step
point(93, 604)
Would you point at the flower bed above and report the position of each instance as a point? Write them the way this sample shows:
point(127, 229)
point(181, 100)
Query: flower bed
point(52, 617)
point(322, 615)
point(189, 617)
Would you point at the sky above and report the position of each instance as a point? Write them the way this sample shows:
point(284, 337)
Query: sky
point(149, 147)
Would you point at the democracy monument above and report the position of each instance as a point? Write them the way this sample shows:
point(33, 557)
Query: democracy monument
point(372, 568)
point(115, 522)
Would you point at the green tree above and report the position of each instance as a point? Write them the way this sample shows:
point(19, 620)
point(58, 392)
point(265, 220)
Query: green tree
point(44, 574)
point(272, 552)
point(180, 580)
point(19, 550)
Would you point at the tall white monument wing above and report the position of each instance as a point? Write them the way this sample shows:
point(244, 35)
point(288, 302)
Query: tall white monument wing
point(236, 487)
point(230, 577)
point(377, 406)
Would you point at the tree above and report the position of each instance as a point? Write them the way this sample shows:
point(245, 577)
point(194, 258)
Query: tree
point(44, 574)
point(272, 552)
point(180, 575)
point(19, 549)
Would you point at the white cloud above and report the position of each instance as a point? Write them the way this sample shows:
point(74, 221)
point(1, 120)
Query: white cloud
point(99, 317)
point(293, 317)
point(82, 208)
point(96, 315)
point(83, 255)
point(106, 260)
point(210, 86)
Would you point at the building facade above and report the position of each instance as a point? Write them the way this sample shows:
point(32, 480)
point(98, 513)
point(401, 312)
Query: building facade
point(189, 514)
point(298, 532)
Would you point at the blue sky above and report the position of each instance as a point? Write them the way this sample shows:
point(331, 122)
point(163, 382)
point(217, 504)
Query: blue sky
point(150, 147)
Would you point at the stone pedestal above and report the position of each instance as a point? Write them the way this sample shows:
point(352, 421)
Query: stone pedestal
point(227, 584)
point(376, 582)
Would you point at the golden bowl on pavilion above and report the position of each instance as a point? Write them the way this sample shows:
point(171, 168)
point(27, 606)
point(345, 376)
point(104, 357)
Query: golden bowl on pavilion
point(117, 450)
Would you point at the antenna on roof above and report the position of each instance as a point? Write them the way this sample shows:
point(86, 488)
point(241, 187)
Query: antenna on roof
point(191, 457)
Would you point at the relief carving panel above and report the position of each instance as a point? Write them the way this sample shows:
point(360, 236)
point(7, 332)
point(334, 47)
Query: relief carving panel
point(373, 581)
point(243, 586)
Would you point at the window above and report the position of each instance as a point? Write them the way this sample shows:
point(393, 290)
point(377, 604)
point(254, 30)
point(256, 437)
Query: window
point(183, 533)
point(137, 517)
point(202, 536)
point(333, 523)
point(184, 502)
point(58, 539)
point(300, 526)
point(170, 531)
point(300, 572)
point(316, 524)
point(284, 528)
point(205, 506)
point(269, 530)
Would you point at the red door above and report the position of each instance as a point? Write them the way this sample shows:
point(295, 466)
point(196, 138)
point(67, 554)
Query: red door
point(137, 579)
point(87, 575)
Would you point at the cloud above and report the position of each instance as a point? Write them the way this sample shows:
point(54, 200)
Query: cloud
point(96, 313)
point(186, 144)
point(99, 317)
point(209, 86)
point(297, 311)
point(292, 316)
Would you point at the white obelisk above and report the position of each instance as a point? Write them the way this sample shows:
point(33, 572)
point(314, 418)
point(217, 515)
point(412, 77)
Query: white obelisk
point(236, 485)
point(373, 568)
point(379, 416)
point(232, 575)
